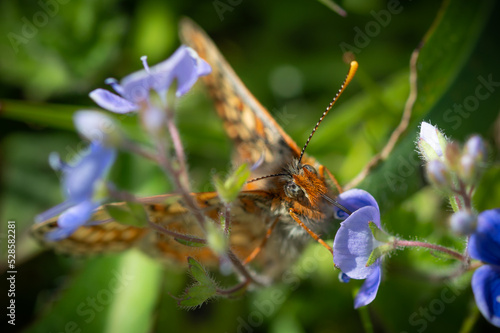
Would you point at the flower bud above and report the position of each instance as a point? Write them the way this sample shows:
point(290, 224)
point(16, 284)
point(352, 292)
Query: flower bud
point(463, 222)
point(439, 175)
point(216, 238)
point(431, 142)
point(97, 127)
point(154, 120)
point(476, 148)
point(452, 155)
point(471, 162)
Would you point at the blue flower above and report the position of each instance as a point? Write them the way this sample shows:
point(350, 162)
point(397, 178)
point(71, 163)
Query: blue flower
point(184, 65)
point(79, 181)
point(484, 245)
point(354, 243)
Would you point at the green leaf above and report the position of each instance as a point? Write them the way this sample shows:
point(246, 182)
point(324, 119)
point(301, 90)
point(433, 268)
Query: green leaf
point(138, 212)
point(191, 243)
point(98, 297)
point(132, 213)
point(200, 292)
point(121, 214)
point(199, 273)
point(197, 295)
point(229, 188)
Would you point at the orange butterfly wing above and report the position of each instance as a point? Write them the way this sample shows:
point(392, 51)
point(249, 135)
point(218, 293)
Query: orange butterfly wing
point(254, 132)
point(168, 211)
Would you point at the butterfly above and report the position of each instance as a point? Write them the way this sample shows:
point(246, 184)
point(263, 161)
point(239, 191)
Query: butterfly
point(289, 198)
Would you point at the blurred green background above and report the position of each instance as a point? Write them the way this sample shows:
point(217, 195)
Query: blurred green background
point(290, 55)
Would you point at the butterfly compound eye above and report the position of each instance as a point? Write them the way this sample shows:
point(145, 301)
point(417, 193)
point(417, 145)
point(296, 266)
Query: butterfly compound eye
point(293, 190)
point(310, 168)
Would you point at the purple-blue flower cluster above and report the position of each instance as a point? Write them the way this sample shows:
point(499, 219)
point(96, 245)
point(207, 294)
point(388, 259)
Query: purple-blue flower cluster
point(81, 179)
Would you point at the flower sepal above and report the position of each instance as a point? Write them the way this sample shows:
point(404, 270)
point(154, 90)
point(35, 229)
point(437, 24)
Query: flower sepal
point(427, 151)
point(377, 253)
point(379, 234)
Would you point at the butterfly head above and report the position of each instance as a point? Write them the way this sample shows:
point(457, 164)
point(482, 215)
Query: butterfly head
point(303, 184)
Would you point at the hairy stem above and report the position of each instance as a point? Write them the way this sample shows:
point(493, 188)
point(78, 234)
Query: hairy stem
point(407, 243)
point(230, 291)
point(174, 234)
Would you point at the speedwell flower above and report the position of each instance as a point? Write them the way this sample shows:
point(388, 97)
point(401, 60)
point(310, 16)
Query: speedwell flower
point(484, 245)
point(79, 183)
point(355, 242)
point(184, 65)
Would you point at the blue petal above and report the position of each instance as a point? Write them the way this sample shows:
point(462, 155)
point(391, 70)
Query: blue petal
point(112, 102)
point(72, 219)
point(486, 288)
point(484, 244)
point(79, 180)
point(184, 65)
point(369, 289)
point(344, 278)
point(353, 200)
point(54, 211)
point(354, 242)
point(137, 86)
point(189, 70)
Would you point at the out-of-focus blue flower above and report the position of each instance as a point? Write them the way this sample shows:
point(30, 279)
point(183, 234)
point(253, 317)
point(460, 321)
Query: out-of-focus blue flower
point(184, 65)
point(354, 244)
point(78, 181)
point(484, 245)
point(96, 126)
point(472, 160)
point(463, 222)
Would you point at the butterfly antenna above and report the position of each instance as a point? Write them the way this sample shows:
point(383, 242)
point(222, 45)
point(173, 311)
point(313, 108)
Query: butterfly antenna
point(264, 177)
point(352, 70)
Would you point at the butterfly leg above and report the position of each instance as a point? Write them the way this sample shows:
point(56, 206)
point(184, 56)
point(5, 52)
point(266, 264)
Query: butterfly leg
point(257, 250)
point(322, 170)
point(309, 231)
